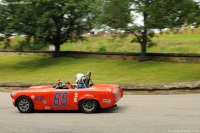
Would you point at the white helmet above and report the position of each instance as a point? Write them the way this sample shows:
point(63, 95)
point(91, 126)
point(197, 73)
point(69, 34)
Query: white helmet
point(79, 77)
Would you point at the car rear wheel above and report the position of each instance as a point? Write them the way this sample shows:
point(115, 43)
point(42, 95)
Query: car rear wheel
point(24, 105)
point(89, 105)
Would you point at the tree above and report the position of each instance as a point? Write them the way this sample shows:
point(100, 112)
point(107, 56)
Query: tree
point(3, 22)
point(23, 19)
point(51, 21)
point(116, 13)
point(159, 14)
point(196, 12)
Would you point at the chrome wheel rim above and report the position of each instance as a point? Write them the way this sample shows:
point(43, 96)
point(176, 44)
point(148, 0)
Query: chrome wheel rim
point(88, 105)
point(24, 104)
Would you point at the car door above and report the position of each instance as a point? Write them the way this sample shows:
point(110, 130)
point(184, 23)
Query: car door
point(62, 99)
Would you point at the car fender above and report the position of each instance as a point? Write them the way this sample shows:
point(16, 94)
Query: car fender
point(15, 102)
point(89, 96)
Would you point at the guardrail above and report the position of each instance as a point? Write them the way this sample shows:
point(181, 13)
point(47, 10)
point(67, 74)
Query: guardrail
point(170, 57)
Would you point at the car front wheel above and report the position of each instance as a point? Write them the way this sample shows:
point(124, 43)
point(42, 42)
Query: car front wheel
point(24, 105)
point(88, 105)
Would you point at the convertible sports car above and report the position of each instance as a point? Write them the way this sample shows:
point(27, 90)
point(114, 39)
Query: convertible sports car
point(83, 95)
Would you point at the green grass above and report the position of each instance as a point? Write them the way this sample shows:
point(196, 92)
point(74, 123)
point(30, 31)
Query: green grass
point(166, 43)
point(178, 43)
point(41, 69)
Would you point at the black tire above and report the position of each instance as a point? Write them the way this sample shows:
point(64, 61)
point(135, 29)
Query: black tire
point(24, 105)
point(88, 105)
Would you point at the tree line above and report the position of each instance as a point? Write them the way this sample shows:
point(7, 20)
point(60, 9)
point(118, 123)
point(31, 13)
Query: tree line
point(60, 21)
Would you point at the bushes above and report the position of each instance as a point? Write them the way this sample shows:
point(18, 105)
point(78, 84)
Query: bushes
point(24, 45)
point(5, 42)
point(20, 43)
point(102, 49)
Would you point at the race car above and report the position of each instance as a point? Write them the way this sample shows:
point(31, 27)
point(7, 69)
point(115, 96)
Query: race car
point(84, 95)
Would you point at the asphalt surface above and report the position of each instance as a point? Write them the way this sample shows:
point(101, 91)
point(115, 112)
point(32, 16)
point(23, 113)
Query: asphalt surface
point(134, 114)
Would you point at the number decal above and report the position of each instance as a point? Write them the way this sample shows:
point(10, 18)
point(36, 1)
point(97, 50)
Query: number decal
point(65, 99)
point(56, 100)
point(60, 98)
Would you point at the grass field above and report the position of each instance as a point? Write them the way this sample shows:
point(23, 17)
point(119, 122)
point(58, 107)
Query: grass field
point(166, 43)
point(41, 69)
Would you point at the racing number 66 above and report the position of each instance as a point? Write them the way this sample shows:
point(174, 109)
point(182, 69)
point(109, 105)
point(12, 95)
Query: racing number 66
point(59, 98)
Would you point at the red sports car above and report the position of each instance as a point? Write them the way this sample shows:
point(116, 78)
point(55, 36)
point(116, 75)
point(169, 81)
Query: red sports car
point(83, 95)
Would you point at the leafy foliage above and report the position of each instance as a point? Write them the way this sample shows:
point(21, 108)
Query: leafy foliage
point(116, 13)
point(52, 21)
point(159, 14)
point(57, 22)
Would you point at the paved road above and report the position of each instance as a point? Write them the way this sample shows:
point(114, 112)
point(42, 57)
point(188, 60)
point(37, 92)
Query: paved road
point(134, 114)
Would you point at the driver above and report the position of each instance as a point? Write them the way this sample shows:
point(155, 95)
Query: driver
point(61, 85)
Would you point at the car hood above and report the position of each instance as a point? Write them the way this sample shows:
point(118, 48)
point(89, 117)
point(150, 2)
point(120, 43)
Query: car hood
point(40, 87)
